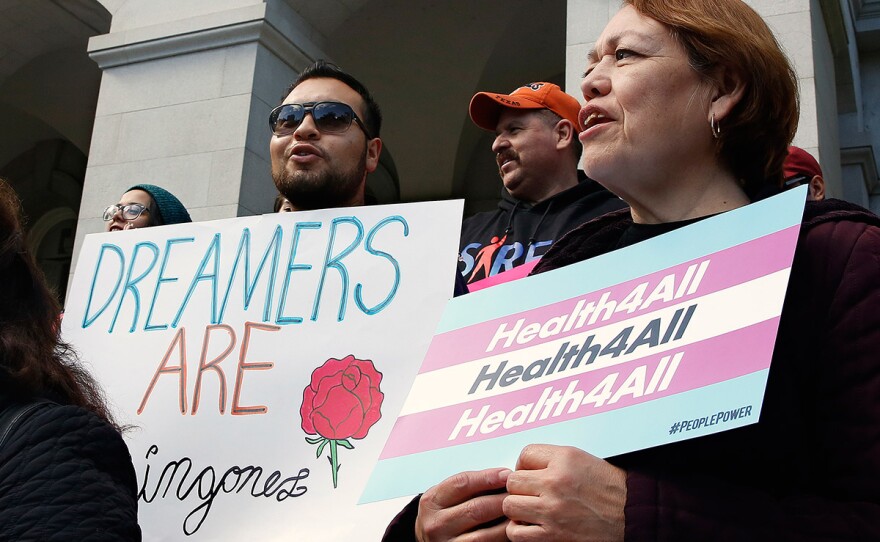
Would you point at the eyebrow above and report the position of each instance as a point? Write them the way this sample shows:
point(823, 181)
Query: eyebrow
point(613, 41)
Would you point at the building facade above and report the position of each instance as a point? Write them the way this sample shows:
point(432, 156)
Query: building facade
point(99, 95)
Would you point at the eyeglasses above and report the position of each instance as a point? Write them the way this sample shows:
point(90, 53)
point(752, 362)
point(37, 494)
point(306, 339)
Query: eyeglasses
point(130, 211)
point(330, 117)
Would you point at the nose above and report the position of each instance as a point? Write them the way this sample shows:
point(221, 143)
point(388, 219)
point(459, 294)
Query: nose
point(115, 218)
point(307, 128)
point(500, 143)
point(597, 82)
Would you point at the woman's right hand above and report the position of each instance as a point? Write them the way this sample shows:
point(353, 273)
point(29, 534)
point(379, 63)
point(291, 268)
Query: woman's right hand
point(465, 507)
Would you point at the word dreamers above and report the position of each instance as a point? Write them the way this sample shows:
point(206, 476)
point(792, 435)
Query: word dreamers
point(138, 276)
point(207, 486)
point(666, 289)
point(554, 402)
point(568, 357)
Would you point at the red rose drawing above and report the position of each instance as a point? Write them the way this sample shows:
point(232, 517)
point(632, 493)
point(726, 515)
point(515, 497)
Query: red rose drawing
point(342, 401)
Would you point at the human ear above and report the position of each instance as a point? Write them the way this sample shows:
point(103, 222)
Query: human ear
point(817, 188)
point(374, 149)
point(728, 90)
point(564, 132)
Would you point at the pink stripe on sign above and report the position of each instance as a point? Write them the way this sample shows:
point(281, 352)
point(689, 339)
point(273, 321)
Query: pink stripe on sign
point(720, 358)
point(727, 268)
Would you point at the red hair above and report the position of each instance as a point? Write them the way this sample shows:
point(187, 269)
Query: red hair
point(729, 35)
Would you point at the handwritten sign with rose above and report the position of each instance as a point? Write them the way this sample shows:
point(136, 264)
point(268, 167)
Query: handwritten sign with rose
point(262, 349)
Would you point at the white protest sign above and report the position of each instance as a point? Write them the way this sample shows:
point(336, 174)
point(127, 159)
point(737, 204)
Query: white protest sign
point(263, 361)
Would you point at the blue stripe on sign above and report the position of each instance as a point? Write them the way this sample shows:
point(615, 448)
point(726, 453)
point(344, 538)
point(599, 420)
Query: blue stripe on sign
point(694, 241)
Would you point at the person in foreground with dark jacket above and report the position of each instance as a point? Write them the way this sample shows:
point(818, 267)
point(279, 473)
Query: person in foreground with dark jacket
point(65, 472)
point(703, 94)
point(544, 195)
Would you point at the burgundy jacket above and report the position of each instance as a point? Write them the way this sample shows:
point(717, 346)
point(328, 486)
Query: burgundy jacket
point(810, 468)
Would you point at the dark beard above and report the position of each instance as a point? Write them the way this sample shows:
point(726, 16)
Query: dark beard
point(331, 187)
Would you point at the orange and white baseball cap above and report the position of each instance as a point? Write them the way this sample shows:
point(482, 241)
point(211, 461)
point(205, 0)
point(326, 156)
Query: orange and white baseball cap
point(486, 107)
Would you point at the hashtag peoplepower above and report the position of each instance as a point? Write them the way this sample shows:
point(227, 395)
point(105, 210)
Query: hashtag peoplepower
point(708, 421)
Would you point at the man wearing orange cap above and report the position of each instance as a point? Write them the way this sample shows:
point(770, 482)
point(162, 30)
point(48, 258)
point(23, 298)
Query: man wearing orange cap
point(801, 168)
point(544, 196)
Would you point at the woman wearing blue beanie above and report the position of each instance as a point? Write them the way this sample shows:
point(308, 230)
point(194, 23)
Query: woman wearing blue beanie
point(143, 206)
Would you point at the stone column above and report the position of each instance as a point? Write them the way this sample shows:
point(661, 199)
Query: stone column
point(185, 93)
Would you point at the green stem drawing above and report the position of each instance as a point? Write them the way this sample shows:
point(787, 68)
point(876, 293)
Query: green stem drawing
point(334, 463)
point(333, 458)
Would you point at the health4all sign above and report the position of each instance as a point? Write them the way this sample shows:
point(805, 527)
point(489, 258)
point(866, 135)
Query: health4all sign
point(664, 340)
point(262, 361)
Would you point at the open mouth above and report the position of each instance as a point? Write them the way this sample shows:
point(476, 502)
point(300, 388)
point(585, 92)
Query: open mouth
point(303, 151)
point(504, 159)
point(593, 119)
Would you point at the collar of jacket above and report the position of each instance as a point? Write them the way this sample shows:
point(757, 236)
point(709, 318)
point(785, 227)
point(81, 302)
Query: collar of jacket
point(584, 186)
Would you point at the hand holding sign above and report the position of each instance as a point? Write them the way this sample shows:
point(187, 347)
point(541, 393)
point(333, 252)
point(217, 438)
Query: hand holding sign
point(652, 338)
point(564, 493)
point(468, 502)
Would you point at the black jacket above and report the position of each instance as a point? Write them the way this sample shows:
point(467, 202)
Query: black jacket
point(65, 475)
point(518, 232)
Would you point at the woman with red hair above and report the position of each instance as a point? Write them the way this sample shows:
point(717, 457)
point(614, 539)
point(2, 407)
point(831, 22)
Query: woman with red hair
point(690, 108)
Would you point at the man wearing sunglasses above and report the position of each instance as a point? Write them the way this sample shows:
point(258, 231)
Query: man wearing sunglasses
point(325, 139)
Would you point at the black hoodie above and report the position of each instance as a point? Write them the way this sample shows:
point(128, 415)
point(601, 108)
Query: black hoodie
point(518, 232)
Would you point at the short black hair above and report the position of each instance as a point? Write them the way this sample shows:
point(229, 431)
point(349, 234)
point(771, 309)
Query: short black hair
point(279, 202)
point(552, 119)
point(328, 70)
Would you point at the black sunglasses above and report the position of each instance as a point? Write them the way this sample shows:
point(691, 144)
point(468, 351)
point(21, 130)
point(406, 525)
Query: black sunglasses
point(330, 117)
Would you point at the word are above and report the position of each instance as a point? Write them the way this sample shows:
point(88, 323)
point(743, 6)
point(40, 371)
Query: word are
point(221, 276)
point(554, 403)
point(570, 357)
point(667, 289)
point(206, 486)
point(178, 345)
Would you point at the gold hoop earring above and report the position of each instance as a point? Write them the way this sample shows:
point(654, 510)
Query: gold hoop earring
point(716, 128)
